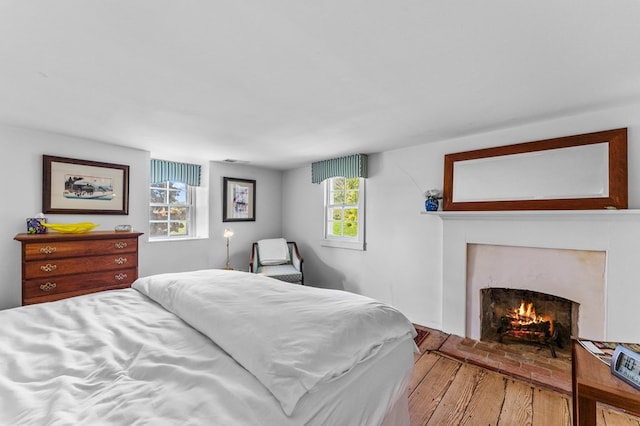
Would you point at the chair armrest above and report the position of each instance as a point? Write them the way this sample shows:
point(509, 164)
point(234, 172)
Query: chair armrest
point(254, 257)
point(296, 259)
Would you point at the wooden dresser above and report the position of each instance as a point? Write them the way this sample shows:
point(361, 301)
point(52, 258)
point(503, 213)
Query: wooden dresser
point(56, 266)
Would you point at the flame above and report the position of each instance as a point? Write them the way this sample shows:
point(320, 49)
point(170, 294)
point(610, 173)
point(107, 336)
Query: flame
point(526, 314)
point(526, 310)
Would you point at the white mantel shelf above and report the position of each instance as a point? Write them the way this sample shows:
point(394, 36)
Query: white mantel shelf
point(537, 214)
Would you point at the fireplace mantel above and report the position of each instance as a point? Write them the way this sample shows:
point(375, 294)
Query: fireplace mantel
point(616, 232)
point(536, 214)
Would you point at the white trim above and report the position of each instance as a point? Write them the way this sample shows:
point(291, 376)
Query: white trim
point(359, 245)
point(174, 239)
point(536, 214)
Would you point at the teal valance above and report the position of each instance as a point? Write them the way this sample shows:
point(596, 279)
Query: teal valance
point(162, 171)
point(350, 166)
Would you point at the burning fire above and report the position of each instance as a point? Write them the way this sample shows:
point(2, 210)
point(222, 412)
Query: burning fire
point(526, 314)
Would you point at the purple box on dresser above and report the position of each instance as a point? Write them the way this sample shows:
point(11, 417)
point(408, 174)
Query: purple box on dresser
point(34, 225)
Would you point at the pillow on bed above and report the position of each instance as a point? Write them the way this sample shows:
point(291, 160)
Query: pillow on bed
point(274, 251)
point(291, 338)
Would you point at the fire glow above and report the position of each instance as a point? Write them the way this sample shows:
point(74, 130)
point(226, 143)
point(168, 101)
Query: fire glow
point(523, 324)
point(525, 315)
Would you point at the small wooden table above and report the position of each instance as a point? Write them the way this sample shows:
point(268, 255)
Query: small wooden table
point(593, 382)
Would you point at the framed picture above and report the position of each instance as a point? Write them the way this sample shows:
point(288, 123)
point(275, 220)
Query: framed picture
point(84, 187)
point(238, 200)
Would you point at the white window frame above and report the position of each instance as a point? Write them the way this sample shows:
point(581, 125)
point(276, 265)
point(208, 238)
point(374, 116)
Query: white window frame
point(329, 240)
point(192, 229)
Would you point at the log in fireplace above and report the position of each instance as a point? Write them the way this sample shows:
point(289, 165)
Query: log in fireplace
point(530, 317)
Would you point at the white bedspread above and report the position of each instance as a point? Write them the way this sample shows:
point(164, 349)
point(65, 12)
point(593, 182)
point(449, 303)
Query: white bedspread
point(118, 358)
point(300, 336)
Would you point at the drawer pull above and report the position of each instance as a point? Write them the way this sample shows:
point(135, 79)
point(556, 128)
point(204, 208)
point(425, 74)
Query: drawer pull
point(121, 245)
point(120, 277)
point(47, 286)
point(47, 250)
point(121, 260)
point(48, 267)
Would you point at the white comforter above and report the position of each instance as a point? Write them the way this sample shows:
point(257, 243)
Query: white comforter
point(118, 358)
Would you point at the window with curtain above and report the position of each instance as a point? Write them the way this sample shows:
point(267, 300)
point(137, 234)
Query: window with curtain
point(344, 196)
point(172, 200)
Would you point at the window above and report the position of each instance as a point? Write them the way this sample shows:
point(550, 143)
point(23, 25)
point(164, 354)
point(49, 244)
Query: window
point(178, 203)
point(344, 213)
point(171, 210)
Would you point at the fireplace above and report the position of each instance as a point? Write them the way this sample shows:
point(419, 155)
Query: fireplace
point(530, 317)
point(550, 279)
point(590, 257)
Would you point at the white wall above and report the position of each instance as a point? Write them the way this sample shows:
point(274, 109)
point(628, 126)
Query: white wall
point(268, 223)
point(21, 174)
point(403, 262)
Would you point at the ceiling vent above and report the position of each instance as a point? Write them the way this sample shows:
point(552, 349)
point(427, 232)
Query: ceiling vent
point(232, 161)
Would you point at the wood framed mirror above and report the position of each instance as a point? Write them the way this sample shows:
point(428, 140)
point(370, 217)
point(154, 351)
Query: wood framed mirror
point(581, 172)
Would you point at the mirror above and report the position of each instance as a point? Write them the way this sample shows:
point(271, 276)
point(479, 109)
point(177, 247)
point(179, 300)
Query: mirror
point(579, 171)
point(575, 172)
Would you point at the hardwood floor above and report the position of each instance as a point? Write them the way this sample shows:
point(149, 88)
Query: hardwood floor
point(444, 391)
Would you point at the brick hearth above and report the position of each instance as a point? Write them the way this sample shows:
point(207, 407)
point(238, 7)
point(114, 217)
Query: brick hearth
point(530, 363)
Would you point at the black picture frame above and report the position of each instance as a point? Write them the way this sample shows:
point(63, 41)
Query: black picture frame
point(73, 186)
point(238, 200)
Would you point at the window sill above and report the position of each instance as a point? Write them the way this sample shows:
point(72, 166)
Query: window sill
point(175, 239)
point(343, 244)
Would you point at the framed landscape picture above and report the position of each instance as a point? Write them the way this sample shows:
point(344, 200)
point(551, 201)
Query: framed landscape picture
point(238, 200)
point(77, 186)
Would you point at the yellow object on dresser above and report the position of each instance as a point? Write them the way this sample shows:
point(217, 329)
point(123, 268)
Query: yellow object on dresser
point(57, 266)
point(71, 228)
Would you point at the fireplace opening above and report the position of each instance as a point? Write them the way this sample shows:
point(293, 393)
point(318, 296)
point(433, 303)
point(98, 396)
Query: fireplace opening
point(529, 317)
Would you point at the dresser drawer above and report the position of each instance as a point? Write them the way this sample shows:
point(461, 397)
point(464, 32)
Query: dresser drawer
point(60, 249)
point(56, 267)
point(65, 286)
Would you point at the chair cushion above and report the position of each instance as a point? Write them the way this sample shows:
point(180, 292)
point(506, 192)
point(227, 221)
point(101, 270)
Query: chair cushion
point(286, 273)
point(273, 251)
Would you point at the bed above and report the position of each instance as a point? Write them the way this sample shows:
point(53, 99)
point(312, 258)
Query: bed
point(209, 347)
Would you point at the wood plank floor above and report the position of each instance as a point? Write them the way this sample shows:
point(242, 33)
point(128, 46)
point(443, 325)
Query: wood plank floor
point(444, 391)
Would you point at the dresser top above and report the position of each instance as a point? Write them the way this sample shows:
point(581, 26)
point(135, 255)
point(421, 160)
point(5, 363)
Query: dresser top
point(59, 236)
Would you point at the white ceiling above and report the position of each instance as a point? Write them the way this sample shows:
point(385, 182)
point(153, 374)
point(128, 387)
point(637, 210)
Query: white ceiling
point(280, 83)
